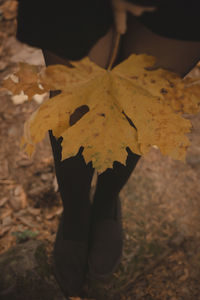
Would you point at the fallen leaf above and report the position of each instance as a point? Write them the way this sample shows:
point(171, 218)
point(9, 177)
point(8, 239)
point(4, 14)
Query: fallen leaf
point(40, 98)
point(8, 221)
point(34, 211)
point(18, 201)
point(19, 99)
point(7, 182)
point(3, 201)
point(27, 220)
point(4, 230)
point(47, 177)
point(9, 9)
point(3, 65)
point(24, 162)
point(4, 172)
point(185, 276)
point(27, 81)
point(51, 214)
point(5, 212)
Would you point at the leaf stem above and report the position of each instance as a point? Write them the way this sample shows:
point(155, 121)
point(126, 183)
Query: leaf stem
point(115, 51)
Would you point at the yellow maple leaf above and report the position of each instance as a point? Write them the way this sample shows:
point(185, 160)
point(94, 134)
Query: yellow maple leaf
point(129, 106)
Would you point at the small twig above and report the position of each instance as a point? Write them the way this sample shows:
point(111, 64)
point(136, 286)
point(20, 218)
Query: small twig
point(115, 51)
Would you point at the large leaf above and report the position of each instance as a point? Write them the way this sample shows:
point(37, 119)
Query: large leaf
point(130, 106)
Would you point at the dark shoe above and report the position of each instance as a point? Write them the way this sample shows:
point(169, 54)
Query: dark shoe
point(106, 246)
point(70, 263)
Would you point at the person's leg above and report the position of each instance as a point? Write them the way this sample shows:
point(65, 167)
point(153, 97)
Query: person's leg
point(177, 56)
point(107, 234)
point(109, 185)
point(174, 55)
point(74, 180)
point(74, 177)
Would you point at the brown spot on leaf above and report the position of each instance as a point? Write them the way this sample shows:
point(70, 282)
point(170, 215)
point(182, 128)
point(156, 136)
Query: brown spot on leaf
point(171, 84)
point(54, 93)
point(129, 120)
point(163, 91)
point(96, 134)
point(78, 114)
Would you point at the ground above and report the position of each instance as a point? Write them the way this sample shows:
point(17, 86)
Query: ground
point(161, 205)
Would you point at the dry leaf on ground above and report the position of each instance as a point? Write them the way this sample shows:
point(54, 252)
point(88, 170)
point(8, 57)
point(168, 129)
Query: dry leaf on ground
point(9, 9)
point(25, 79)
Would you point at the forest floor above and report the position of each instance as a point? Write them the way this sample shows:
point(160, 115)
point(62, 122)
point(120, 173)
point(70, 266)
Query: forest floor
point(161, 201)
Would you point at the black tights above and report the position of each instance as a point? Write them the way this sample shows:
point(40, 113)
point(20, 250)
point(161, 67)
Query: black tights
point(74, 181)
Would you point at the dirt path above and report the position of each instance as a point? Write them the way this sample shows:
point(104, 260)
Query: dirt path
point(161, 202)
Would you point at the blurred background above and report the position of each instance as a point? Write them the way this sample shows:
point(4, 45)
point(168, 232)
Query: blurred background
point(161, 202)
